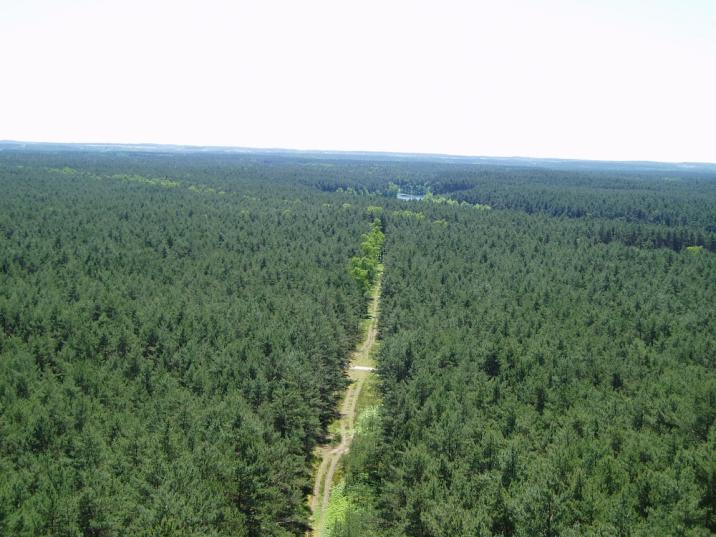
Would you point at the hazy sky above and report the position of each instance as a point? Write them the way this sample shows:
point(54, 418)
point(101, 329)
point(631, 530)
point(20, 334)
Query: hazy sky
point(606, 79)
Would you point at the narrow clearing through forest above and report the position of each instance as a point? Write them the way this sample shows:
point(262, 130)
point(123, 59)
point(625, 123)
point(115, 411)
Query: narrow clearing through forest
point(360, 367)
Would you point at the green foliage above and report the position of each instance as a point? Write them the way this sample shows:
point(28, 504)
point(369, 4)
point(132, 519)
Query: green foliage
point(205, 189)
point(365, 268)
point(65, 170)
point(352, 509)
point(374, 210)
point(444, 200)
point(391, 191)
point(168, 360)
point(537, 383)
point(166, 183)
point(408, 214)
point(641, 205)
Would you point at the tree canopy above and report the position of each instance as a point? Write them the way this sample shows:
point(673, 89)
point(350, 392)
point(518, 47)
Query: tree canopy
point(175, 327)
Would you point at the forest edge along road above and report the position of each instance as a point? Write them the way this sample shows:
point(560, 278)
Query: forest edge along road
point(360, 367)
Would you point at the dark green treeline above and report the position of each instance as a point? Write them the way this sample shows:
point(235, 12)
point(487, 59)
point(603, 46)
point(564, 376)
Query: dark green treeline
point(174, 328)
point(171, 346)
point(537, 382)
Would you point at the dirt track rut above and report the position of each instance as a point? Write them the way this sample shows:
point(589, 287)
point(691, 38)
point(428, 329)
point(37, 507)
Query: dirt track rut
point(360, 367)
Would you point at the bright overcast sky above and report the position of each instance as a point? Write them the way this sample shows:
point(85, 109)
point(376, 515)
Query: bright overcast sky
point(605, 79)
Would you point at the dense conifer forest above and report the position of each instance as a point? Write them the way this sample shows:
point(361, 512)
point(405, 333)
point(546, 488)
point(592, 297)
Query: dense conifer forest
point(170, 351)
point(175, 326)
point(537, 383)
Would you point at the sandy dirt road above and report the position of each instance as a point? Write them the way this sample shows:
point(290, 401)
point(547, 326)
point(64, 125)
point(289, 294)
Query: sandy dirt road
point(360, 367)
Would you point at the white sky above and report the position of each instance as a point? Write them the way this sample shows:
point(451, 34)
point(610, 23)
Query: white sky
point(605, 79)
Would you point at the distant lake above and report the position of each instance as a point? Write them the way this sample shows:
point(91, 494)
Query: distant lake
point(410, 197)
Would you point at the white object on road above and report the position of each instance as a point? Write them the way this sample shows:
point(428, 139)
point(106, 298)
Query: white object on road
point(362, 368)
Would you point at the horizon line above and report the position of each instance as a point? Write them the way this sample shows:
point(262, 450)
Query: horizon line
point(354, 151)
